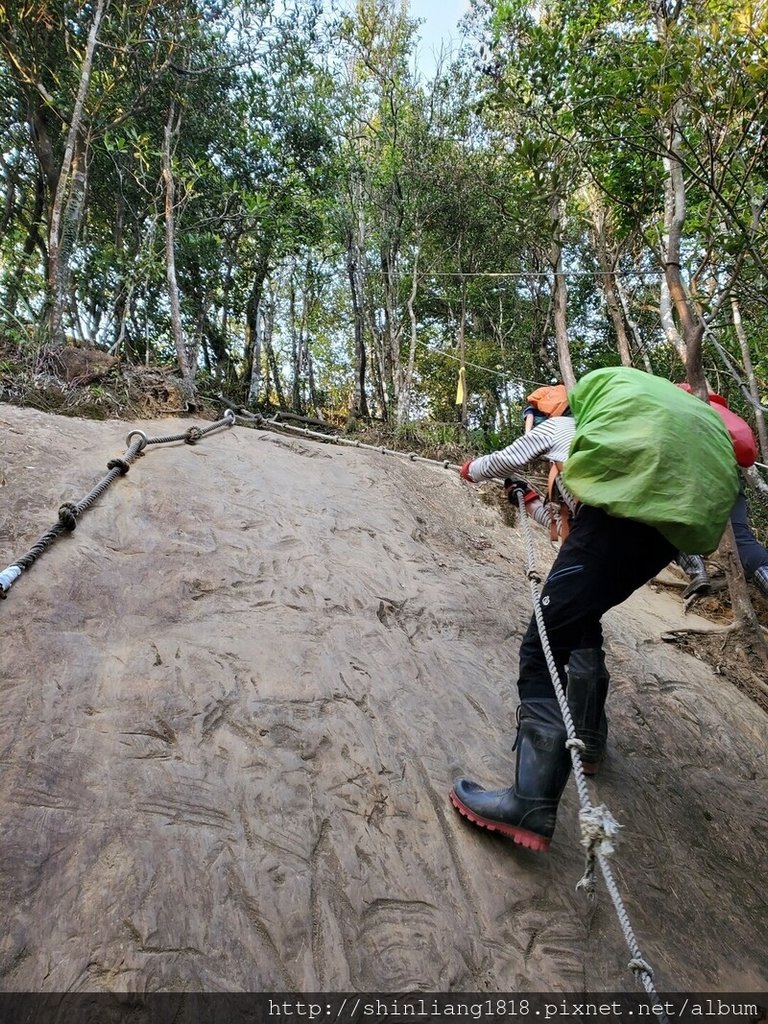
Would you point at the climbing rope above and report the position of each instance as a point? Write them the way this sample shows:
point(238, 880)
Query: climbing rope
point(599, 830)
point(598, 827)
point(274, 423)
point(70, 512)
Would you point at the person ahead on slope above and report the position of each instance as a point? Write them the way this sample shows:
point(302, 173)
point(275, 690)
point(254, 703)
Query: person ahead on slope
point(604, 558)
point(752, 554)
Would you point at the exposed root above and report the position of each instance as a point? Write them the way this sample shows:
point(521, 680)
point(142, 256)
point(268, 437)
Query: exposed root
point(733, 651)
point(673, 635)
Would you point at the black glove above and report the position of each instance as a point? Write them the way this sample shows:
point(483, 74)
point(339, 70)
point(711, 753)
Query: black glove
point(515, 487)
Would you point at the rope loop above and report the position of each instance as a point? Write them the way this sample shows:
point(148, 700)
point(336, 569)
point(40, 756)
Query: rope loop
point(412, 456)
point(68, 515)
point(120, 464)
point(229, 416)
point(193, 435)
point(141, 435)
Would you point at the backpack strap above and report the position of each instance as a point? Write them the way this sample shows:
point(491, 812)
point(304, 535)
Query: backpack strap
point(559, 511)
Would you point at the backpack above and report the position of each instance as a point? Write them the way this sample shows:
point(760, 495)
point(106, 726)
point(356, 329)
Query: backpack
point(742, 438)
point(558, 509)
point(645, 449)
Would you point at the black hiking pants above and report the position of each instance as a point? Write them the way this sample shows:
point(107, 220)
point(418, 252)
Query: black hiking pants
point(602, 562)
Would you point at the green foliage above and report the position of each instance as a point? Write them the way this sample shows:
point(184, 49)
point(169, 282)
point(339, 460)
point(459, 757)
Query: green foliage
point(306, 145)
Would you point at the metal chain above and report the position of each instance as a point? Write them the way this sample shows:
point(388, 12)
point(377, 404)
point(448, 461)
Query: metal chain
point(70, 512)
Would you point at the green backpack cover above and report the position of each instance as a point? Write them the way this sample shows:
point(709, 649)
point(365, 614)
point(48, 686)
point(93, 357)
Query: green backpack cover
point(647, 450)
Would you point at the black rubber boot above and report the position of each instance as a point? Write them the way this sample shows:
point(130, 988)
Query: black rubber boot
point(694, 567)
point(525, 812)
point(587, 689)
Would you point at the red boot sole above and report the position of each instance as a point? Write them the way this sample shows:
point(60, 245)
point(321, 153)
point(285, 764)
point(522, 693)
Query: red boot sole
point(521, 836)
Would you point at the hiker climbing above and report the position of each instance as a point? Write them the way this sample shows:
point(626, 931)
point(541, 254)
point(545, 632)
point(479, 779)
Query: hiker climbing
point(636, 499)
point(752, 554)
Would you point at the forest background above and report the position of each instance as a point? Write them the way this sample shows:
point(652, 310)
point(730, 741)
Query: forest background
point(273, 199)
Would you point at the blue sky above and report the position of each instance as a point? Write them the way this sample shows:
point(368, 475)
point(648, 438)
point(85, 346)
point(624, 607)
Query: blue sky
point(441, 18)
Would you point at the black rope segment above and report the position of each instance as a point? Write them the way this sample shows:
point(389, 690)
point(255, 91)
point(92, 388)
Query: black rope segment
point(70, 512)
point(68, 516)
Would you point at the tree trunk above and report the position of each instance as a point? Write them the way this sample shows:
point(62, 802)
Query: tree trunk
point(607, 265)
point(61, 231)
point(356, 274)
point(406, 386)
point(693, 334)
point(462, 346)
point(392, 330)
point(377, 369)
point(253, 320)
point(746, 357)
point(253, 342)
point(313, 399)
point(34, 239)
point(269, 327)
point(674, 220)
point(294, 332)
point(632, 327)
point(186, 368)
point(560, 295)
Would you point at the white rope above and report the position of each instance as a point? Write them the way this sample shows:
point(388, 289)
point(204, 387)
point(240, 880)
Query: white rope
point(260, 421)
point(598, 828)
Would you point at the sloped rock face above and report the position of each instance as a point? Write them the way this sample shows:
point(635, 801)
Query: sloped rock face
point(233, 702)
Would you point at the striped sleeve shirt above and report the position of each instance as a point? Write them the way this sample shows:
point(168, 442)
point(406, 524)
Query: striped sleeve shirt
point(551, 440)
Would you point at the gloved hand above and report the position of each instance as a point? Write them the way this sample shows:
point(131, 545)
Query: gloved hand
point(515, 487)
point(464, 471)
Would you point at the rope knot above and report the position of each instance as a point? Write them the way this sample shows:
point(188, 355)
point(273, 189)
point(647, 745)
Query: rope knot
point(120, 464)
point(533, 576)
point(68, 515)
point(193, 435)
point(576, 744)
point(599, 829)
point(639, 966)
